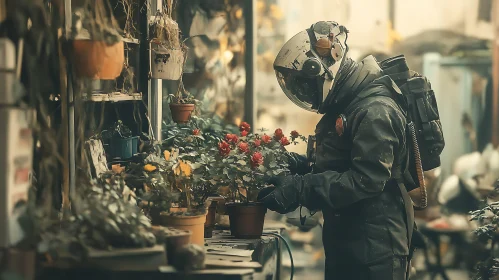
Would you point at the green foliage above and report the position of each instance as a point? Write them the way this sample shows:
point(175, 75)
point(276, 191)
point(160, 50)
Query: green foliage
point(104, 219)
point(488, 233)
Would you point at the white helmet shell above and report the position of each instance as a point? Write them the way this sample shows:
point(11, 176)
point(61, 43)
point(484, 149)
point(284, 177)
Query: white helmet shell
point(307, 64)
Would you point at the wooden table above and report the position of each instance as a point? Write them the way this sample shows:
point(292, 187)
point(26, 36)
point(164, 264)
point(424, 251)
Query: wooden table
point(226, 258)
point(433, 235)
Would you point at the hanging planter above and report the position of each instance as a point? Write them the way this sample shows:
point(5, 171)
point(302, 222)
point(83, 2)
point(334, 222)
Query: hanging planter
point(166, 64)
point(181, 113)
point(167, 56)
point(97, 59)
point(246, 219)
point(97, 48)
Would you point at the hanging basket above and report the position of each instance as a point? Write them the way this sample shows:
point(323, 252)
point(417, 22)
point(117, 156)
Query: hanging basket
point(97, 59)
point(166, 64)
point(181, 113)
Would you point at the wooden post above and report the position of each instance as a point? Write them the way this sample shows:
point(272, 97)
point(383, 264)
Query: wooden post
point(495, 74)
point(3, 10)
point(249, 10)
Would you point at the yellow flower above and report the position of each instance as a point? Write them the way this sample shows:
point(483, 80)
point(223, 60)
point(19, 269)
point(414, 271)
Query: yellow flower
point(149, 167)
point(167, 154)
point(183, 169)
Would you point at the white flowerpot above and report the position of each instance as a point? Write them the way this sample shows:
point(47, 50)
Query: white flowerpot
point(166, 64)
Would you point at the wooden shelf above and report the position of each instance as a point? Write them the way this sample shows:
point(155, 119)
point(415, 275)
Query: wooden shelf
point(131, 40)
point(113, 97)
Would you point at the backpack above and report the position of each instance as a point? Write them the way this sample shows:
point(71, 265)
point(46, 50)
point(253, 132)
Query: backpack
point(424, 127)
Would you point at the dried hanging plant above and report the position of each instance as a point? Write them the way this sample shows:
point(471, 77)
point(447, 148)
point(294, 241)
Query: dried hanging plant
point(129, 30)
point(164, 30)
point(128, 85)
point(96, 21)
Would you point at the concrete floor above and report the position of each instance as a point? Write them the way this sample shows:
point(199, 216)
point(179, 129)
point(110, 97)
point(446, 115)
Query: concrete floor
point(317, 274)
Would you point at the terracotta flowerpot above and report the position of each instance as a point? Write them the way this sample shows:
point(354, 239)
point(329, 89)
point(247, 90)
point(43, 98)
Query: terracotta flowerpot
point(173, 238)
point(166, 64)
point(194, 224)
point(98, 60)
point(181, 113)
point(210, 220)
point(246, 219)
point(210, 216)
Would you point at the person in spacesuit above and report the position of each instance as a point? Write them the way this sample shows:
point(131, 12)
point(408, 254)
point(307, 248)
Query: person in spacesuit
point(353, 172)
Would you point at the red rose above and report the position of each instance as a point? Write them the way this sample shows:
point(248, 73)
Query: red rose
point(244, 133)
point(257, 142)
point(231, 138)
point(243, 147)
point(244, 126)
point(266, 139)
point(278, 134)
point(196, 132)
point(284, 141)
point(224, 148)
point(295, 134)
point(256, 159)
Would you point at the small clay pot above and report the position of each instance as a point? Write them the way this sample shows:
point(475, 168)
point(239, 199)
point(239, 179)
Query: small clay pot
point(173, 238)
point(246, 219)
point(194, 224)
point(97, 59)
point(181, 113)
point(210, 216)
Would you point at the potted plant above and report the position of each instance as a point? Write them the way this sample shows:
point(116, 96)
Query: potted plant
point(241, 162)
point(97, 48)
point(172, 196)
point(120, 141)
point(104, 221)
point(167, 55)
point(182, 104)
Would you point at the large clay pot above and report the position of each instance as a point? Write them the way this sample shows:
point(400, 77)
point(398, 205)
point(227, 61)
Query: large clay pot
point(181, 113)
point(246, 219)
point(166, 64)
point(194, 224)
point(97, 59)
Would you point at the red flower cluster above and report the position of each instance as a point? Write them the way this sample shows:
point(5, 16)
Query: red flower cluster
point(231, 138)
point(256, 159)
point(244, 133)
point(196, 132)
point(224, 148)
point(266, 139)
point(244, 126)
point(284, 141)
point(243, 147)
point(295, 134)
point(278, 134)
point(257, 142)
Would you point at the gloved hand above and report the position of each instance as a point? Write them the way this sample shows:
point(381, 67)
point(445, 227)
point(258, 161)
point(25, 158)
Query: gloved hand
point(298, 164)
point(284, 197)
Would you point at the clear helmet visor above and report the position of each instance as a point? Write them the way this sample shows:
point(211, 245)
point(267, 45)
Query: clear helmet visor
point(305, 92)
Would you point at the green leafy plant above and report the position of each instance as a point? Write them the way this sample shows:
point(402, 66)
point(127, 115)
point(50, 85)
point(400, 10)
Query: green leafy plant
point(488, 233)
point(118, 130)
point(104, 219)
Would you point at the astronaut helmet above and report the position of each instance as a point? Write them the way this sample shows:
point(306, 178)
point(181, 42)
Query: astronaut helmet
point(307, 65)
